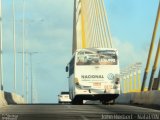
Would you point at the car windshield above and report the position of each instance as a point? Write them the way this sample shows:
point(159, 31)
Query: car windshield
point(100, 57)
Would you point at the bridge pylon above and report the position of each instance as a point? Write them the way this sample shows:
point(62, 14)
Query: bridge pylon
point(90, 25)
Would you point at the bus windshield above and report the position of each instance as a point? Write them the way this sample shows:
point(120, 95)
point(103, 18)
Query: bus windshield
point(99, 57)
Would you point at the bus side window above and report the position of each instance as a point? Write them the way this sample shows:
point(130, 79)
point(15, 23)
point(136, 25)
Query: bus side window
point(71, 67)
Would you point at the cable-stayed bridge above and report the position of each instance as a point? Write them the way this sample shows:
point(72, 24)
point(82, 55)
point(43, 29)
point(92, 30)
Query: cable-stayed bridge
point(91, 30)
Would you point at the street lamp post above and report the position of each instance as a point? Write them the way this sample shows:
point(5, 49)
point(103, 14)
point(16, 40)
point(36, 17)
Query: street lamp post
point(124, 79)
point(14, 44)
point(138, 66)
point(31, 53)
point(23, 47)
point(31, 65)
point(1, 63)
point(26, 78)
point(130, 78)
point(134, 78)
point(126, 83)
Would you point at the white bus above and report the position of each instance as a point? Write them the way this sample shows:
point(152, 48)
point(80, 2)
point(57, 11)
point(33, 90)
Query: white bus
point(94, 75)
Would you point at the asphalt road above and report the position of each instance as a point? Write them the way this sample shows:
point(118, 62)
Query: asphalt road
point(76, 112)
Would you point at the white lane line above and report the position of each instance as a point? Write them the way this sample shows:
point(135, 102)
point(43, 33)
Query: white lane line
point(83, 117)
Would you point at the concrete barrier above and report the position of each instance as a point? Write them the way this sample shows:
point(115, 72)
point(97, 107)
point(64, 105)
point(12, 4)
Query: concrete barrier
point(146, 98)
point(7, 98)
point(3, 102)
point(18, 99)
point(124, 98)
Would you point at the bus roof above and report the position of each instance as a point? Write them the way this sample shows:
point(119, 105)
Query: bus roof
point(96, 49)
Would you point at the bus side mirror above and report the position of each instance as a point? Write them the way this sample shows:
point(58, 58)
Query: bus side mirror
point(66, 68)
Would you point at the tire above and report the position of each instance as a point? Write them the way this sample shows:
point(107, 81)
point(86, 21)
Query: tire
point(104, 102)
point(77, 102)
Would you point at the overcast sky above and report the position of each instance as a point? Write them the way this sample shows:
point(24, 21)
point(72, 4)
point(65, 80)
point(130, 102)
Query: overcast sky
point(48, 31)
